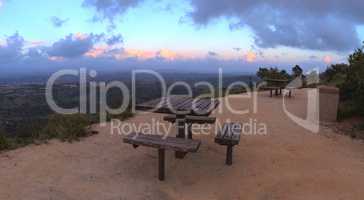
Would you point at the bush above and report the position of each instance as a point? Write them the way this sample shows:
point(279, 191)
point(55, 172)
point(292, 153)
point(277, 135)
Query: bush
point(66, 127)
point(352, 89)
point(346, 110)
point(4, 143)
point(350, 79)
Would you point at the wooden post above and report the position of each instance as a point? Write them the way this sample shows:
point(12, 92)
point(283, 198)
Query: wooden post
point(180, 123)
point(161, 155)
point(271, 93)
point(181, 128)
point(229, 155)
point(189, 127)
point(276, 92)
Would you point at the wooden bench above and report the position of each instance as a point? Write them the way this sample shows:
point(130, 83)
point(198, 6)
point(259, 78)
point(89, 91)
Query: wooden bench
point(162, 144)
point(277, 85)
point(229, 136)
point(277, 90)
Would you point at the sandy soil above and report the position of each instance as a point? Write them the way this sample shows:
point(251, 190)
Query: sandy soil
point(287, 163)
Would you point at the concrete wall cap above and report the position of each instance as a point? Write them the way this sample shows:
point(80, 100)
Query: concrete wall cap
point(328, 89)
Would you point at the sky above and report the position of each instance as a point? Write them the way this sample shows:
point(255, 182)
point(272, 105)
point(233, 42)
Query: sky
point(182, 35)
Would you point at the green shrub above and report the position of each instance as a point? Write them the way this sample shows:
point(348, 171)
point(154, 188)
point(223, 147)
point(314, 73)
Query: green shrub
point(346, 110)
point(350, 79)
point(66, 127)
point(352, 89)
point(4, 143)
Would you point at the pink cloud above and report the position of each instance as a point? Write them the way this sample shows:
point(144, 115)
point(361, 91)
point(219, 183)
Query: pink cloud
point(35, 43)
point(97, 51)
point(80, 36)
point(167, 54)
point(327, 59)
point(250, 56)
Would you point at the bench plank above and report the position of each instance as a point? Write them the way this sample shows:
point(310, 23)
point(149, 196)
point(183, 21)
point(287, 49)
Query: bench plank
point(229, 135)
point(180, 104)
point(191, 119)
point(157, 141)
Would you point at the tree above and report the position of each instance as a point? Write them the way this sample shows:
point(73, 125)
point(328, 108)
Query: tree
point(262, 73)
point(335, 73)
point(272, 73)
point(353, 88)
point(297, 71)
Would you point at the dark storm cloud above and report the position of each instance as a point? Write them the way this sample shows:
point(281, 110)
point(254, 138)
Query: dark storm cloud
point(115, 39)
point(109, 9)
point(12, 49)
point(58, 22)
point(73, 46)
point(309, 24)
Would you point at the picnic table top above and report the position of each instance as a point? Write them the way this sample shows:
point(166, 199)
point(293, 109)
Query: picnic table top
point(276, 80)
point(161, 142)
point(180, 105)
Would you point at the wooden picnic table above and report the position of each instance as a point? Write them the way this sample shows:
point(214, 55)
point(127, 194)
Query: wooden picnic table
point(181, 106)
point(277, 85)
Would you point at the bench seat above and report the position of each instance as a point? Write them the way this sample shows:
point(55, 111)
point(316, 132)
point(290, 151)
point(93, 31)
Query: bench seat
point(157, 141)
point(162, 143)
point(229, 136)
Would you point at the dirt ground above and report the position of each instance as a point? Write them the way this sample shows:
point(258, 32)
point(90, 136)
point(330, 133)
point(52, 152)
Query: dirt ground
point(289, 162)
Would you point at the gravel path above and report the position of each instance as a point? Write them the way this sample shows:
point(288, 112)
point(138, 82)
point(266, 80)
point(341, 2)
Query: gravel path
point(288, 162)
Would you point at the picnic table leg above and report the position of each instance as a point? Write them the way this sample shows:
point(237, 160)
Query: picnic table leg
point(181, 128)
point(189, 127)
point(276, 92)
point(229, 155)
point(180, 122)
point(161, 155)
point(271, 93)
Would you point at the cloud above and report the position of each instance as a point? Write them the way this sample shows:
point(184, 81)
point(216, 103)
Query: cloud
point(110, 9)
point(311, 24)
point(92, 51)
point(115, 39)
point(236, 49)
point(12, 49)
point(73, 45)
point(250, 56)
point(327, 59)
point(166, 54)
point(212, 53)
point(58, 22)
point(105, 51)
